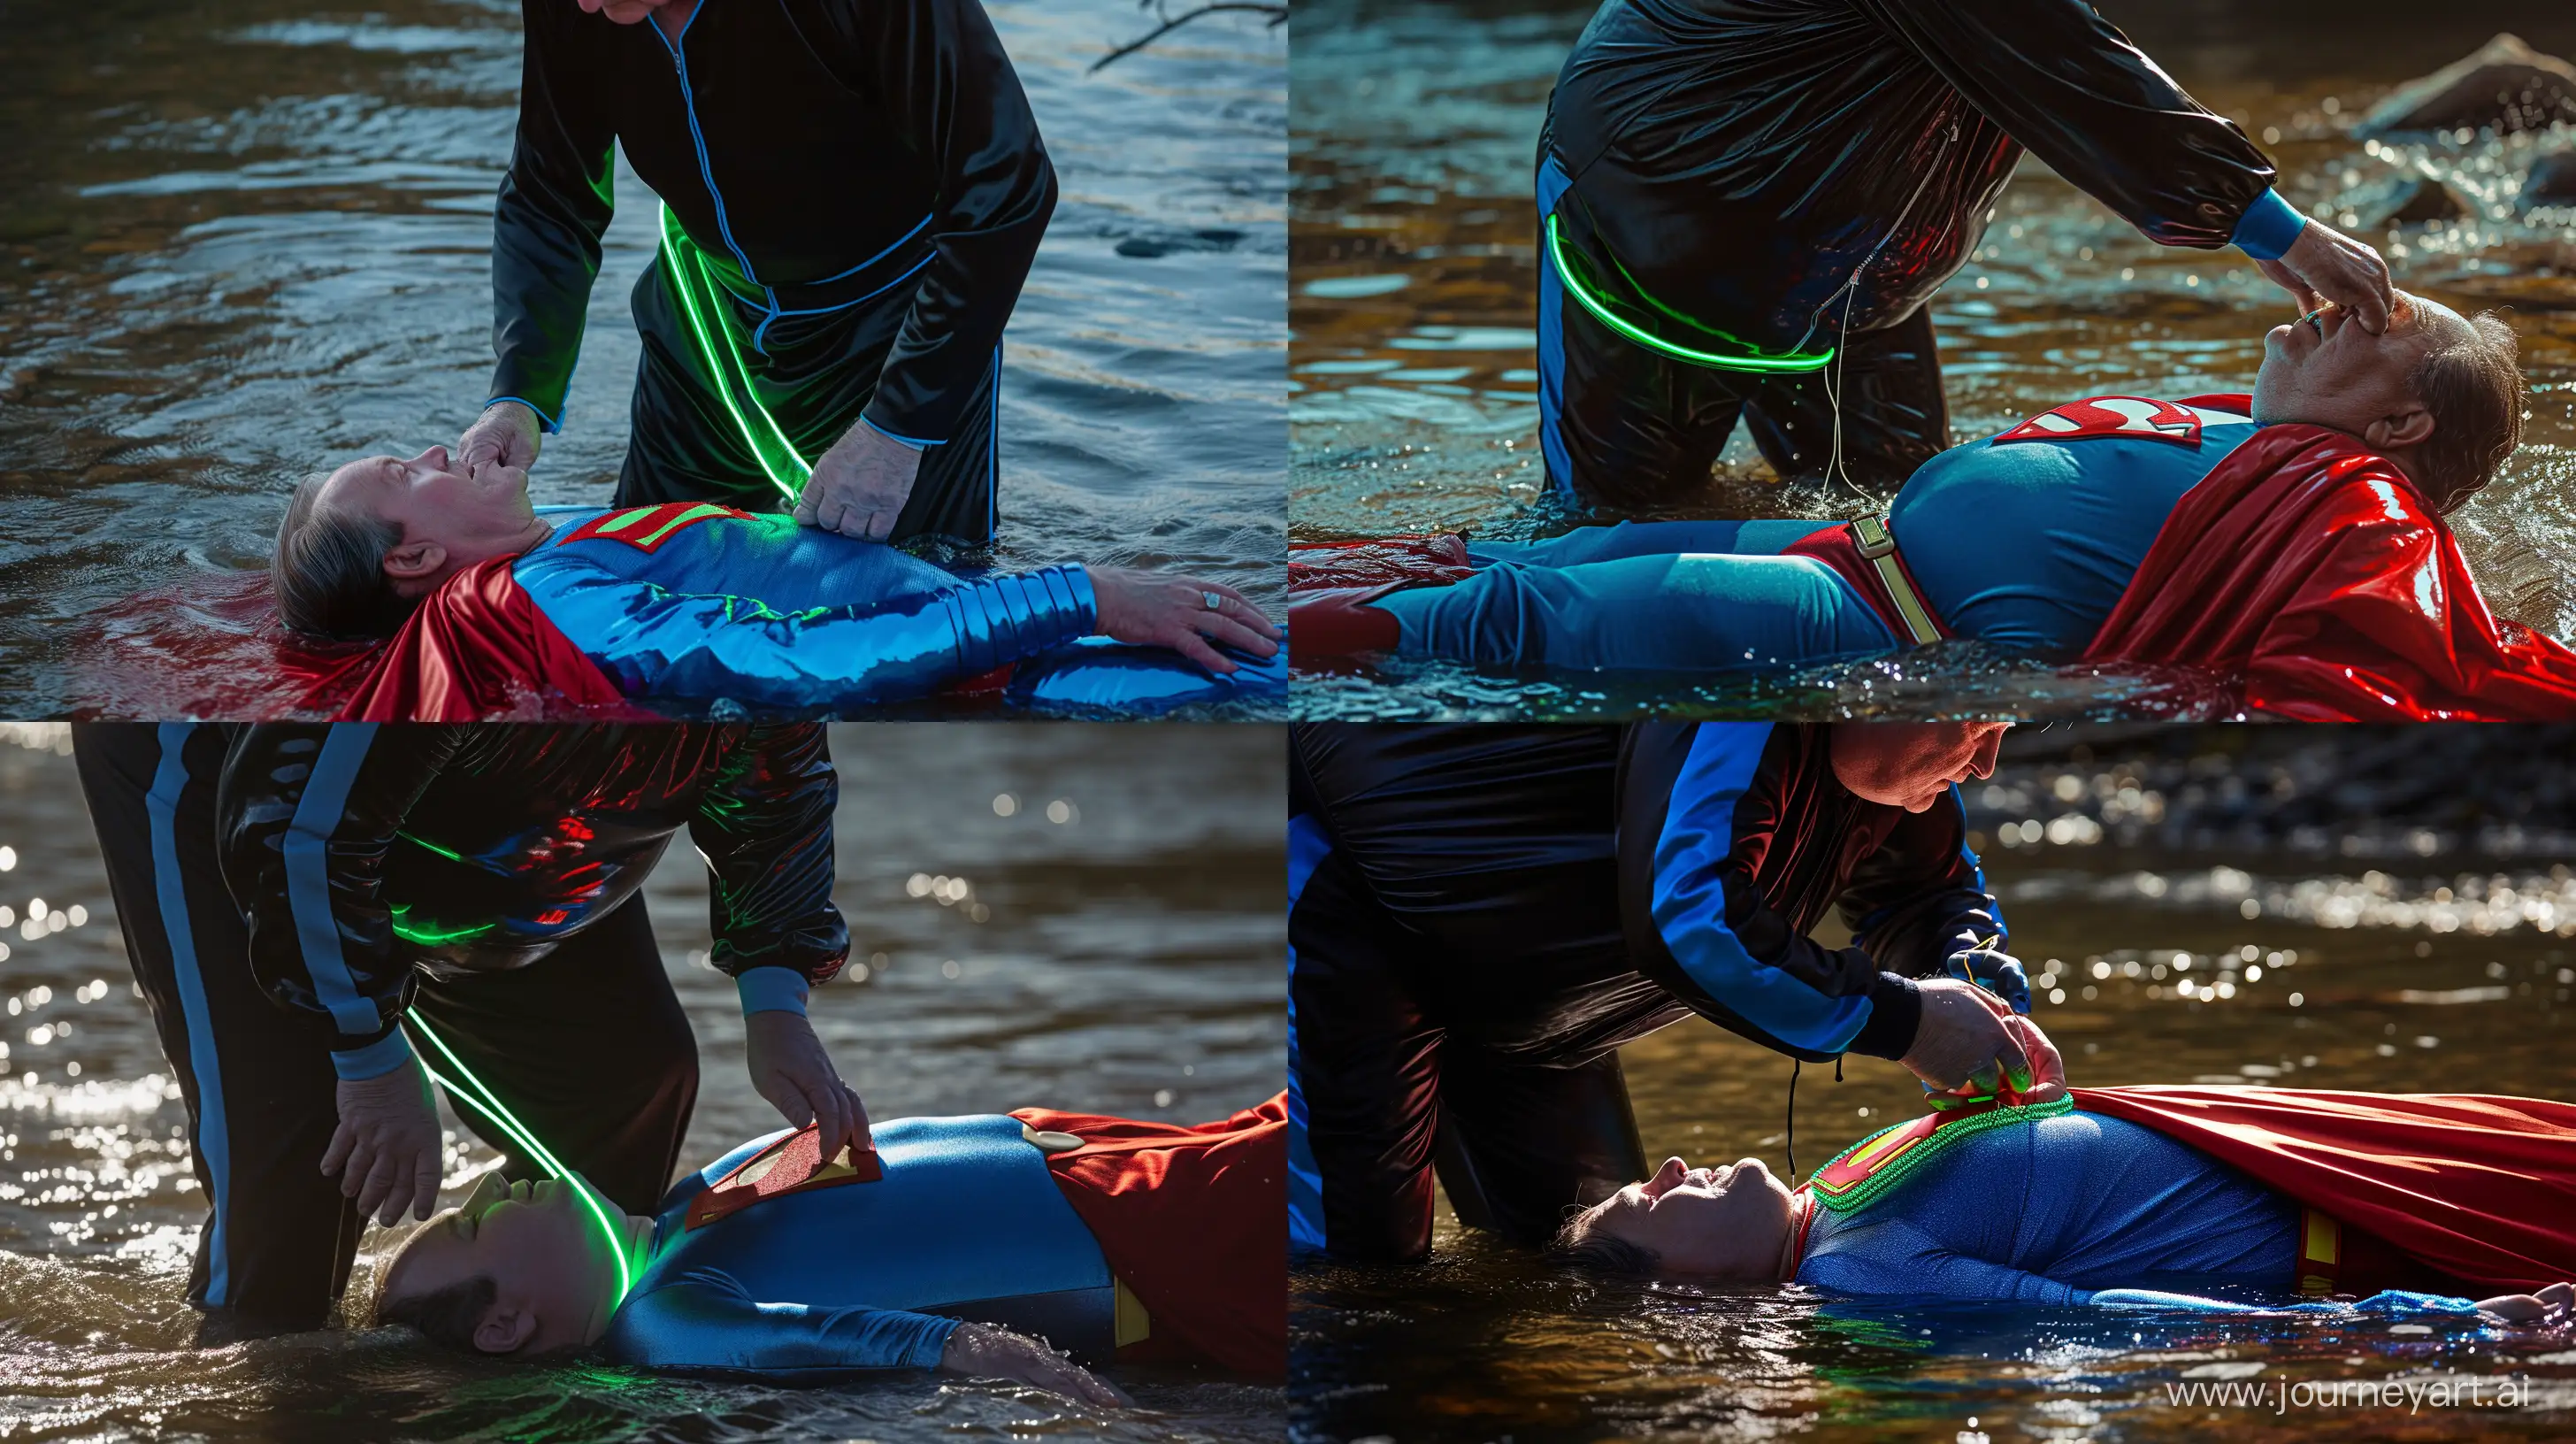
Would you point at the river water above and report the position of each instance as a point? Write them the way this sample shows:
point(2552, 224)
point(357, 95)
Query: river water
point(240, 243)
point(1124, 959)
point(2348, 908)
point(1413, 277)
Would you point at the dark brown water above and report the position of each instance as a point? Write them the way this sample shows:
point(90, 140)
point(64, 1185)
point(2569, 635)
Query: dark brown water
point(1414, 401)
point(1125, 960)
point(2357, 909)
point(243, 242)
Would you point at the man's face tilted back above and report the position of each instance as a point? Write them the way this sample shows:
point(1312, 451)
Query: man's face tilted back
point(449, 521)
point(1726, 1222)
point(2324, 370)
point(553, 1274)
point(357, 548)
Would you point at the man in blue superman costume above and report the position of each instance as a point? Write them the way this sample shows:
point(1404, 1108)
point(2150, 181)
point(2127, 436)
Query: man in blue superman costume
point(957, 1244)
point(2291, 540)
point(2199, 1198)
point(488, 599)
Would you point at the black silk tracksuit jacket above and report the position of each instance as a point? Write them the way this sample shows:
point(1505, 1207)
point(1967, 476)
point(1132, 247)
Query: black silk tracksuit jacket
point(823, 154)
point(359, 852)
point(1738, 160)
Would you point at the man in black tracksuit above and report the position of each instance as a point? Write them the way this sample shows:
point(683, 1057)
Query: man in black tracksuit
point(1479, 916)
point(1776, 178)
point(864, 188)
point(487, 878)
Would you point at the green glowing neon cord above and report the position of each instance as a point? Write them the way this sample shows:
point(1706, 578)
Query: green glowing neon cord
point(451, 854)
point(490, 1107)
point(702, 301)
point(1750, 360)
point(430, 937)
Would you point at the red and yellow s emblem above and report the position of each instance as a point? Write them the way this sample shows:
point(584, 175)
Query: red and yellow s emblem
point(647, 527)
point(2133, 416)
point(791, 1165)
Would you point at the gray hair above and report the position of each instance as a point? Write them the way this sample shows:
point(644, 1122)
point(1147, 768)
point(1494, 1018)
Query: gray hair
point(329, 569)
point(449, 1316)
point(2474, 390)
point(1585, 1247)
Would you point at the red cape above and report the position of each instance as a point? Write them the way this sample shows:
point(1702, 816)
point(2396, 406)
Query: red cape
point(1194, 1220)
point(2309, 569)
point(475, 650)
point(2481, 1189)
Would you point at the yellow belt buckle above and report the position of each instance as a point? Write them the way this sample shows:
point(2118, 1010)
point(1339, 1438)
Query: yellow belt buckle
point(2320, 1253)
point(1878, 547)
point(1129, 1323)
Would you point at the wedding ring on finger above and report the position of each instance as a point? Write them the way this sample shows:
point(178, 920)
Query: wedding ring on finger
point(1215, 603)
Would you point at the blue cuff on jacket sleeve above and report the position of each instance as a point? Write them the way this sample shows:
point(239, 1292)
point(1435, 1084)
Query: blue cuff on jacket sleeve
point(374, 1060)
point(771, 989)
point(1016, 615)
point(2269, 227)
point(915, 442)
point(545, 423)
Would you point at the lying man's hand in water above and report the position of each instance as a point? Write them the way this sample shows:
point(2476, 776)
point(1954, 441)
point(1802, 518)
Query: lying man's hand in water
point(1971, 1045)
point(1153, 609)
point(791, 1069)
point(2552, 1308)
point(506, 434)
point(386, 1149)
point(980, 1351)
point(2324, 264)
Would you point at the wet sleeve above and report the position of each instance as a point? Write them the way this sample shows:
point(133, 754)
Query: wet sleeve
point(2069, 86)
point(553, 209)
point(947, 88)
point(1921, 899)
point(1898, 1258)
point(705, 1321)
point(654, 642)
point(1740, 962)
point(764, 826)
point(308, 814)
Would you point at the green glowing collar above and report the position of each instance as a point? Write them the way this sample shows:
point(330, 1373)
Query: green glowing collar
point(706, 305)
point(1865, 1172)
point(484, 1102)
point(1578, 284)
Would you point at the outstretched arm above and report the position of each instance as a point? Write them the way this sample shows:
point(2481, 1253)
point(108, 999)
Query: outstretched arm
point(704, 1321)
point(2066, 83)
point(655, 642)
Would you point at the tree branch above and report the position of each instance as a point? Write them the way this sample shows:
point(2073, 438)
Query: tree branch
point(1278, 16)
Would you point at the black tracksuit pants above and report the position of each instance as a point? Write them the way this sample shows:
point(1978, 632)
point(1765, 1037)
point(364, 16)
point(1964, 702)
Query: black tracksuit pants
point(1391, 1077)
point(588, 1046)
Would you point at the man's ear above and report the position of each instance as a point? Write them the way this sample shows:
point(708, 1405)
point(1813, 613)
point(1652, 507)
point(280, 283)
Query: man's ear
point(2409, 426)
point(506, 1328)
point(412, 561)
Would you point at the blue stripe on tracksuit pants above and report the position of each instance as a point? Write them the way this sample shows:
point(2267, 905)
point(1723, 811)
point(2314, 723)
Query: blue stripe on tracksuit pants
point(151, 793)
point(591, 1038)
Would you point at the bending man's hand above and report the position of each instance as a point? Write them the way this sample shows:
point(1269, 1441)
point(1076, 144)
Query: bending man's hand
point(791, 1070)
point(506, 434)
point(1170, 611)
point(386, 1149)
point(1962, 1048)
point(2324, 264)
point(860, 485)
point(980, 1351)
